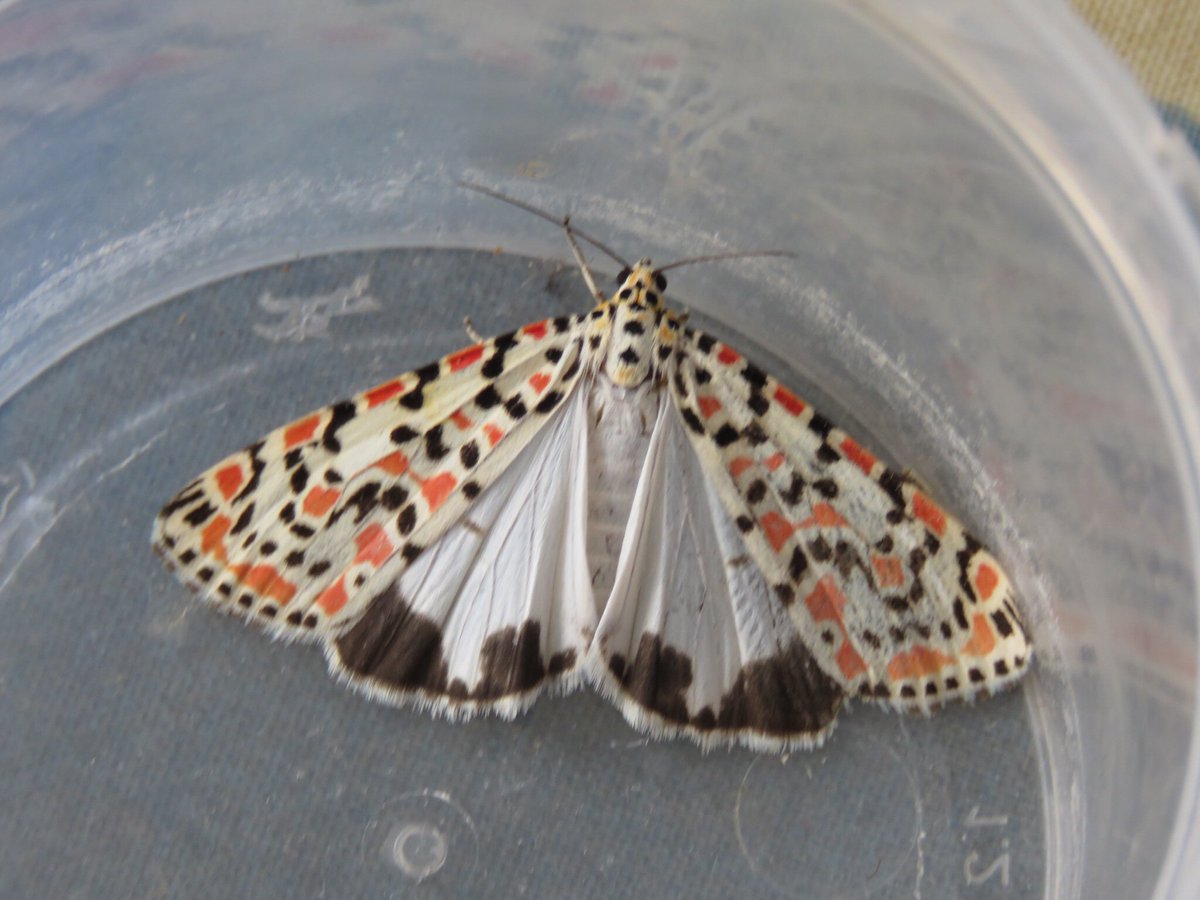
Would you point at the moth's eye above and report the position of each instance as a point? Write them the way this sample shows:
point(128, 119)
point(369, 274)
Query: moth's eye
point(624, 274)
point(660, 281)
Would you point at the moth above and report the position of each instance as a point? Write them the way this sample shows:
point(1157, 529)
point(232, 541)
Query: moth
point(616, 498)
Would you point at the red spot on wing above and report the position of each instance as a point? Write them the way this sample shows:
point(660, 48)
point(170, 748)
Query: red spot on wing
point(917, 663)
point(776, 528)
point(774, 461)
point(739, 465)
point(849, 662)
point(384, 392)
point(708, 405)
point(373, 545)
point(538, 381)
point(265, 581)
point(789, 401)
point(826, 604)
point(889, 571)
point(333, 597)
point(465, 357)
point(823, 516)
point(437, 488)
point(299, 432)
point(319, 499)
point(494, 434)
point(395, 463)
point(459, 418)
point(986, 580)
point(983, 639)
point(728, 355)
point(229, 479)
point(212, 538)
point(929, 513)
point(536, 330)
point(857, 455)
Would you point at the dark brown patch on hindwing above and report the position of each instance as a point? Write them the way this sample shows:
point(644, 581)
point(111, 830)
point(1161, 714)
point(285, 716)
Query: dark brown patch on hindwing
point(399, 648)
point(396, 646)
point(781, 696)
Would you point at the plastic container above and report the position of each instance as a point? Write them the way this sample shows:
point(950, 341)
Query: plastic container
point(996, 284)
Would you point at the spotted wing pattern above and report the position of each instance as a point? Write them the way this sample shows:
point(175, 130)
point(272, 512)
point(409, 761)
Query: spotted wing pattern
point(613, 497)
point(896, 601)
point(291, 529)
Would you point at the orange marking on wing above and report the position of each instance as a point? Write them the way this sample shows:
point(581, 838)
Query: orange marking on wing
point(824, 516)
point(536, 330)
point(395, 463)
point(777, 529)
point(538, 381)
point(889, 571)
point(373, 545)
point(494, 434)
point(463, 358)
point(986, 580)
point(437, 488)
point(789, 401)
point(212, 538)
point(774, 461)
point(301, 431)
point(983, 639)
point(825, 604)
point(459, 418)
point(848, 660)
point(318, 500)
point(857, 455)
point(384, 392)
point(739, 465)
point(929, 513)
point(917, 662)
point(708, 405)
point(728, 355)
point(333, 597)
point(229, 479)
point(266, 581)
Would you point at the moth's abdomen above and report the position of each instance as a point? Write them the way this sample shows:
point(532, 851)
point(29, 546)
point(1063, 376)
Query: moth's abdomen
point(620, 421)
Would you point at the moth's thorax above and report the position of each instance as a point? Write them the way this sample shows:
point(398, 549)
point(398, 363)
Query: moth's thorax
point(641, 332)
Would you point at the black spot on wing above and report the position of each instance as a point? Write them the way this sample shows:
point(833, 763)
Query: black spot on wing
point(493, 367)
point(339, 415)
point(182, 499)
point(487, 397)
point(435, 445)
point(200, 514)
point(243, 520)
point(402, 434)
point(257, 464)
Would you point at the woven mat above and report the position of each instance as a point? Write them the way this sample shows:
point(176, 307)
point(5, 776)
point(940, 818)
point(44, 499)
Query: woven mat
point(1159, 41)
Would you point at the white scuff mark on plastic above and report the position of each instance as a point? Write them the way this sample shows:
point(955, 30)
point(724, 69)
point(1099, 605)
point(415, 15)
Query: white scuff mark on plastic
point(305, 318)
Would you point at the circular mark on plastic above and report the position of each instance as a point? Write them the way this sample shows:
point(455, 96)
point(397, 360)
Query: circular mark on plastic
point(420, 850)
point(837, 823)
point(425, 835)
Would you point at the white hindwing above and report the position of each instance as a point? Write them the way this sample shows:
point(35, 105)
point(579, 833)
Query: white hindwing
point(692, 640)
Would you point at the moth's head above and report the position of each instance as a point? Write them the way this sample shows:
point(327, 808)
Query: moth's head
point(641, 283)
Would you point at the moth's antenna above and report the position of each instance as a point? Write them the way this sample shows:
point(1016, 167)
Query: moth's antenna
point(715, 256)
point(542, 214)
